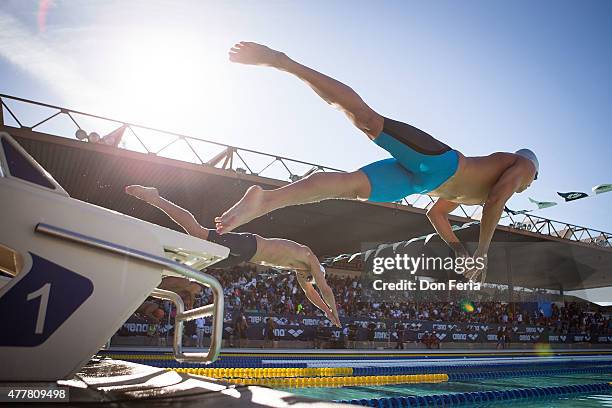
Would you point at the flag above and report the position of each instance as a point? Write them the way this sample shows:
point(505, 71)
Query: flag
point(355, 255)
point(542, 204)
point(517, 212)
point(602, 188)
point(573, 195)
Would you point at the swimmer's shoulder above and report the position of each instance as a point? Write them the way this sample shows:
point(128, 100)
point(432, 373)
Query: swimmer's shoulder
point(499, 159)
point(494, 155)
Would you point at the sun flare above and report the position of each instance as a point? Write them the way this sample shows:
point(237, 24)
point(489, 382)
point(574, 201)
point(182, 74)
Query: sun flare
point(168, 80)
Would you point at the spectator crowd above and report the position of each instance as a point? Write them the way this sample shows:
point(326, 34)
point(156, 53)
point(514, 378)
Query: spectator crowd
point(276, 293)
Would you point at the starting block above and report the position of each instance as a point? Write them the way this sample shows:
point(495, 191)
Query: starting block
point(74, 273)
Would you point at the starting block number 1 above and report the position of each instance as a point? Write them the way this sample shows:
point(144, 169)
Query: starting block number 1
point(43, 294)
point(41, 301)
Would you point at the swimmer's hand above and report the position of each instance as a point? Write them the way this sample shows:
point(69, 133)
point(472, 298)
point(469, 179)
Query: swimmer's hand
point(148, 194)
point(332, 317)
point(462, 257)
point(480, 270)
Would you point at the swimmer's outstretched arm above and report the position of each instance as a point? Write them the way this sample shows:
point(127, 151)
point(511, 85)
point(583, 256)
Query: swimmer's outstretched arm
point(181, 216)
point(326, 293)
point(509, 183)
point(314, 297)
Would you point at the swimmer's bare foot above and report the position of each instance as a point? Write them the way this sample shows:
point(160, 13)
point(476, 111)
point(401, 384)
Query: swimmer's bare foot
point(148, 194)
point(251, 53)
point(248, 208)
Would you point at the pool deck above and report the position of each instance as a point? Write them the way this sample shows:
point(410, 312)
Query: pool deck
point(122, 384)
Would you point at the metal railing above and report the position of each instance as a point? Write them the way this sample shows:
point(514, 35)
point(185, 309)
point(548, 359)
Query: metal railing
point(246, 161)
point(201, 151)
point(560, 229)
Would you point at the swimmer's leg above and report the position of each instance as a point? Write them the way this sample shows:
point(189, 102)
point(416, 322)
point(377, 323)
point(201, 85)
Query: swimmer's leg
point(178, 214)
point(332, 91)
point(408, 144)
point(381, 181)
point(316, 187)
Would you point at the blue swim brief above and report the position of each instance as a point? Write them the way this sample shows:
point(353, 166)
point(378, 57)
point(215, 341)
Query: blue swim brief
point(419, 165)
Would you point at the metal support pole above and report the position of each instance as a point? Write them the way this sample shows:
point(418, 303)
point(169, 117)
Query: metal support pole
point(509, 278)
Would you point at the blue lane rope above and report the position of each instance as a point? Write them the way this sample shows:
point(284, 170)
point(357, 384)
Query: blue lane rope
point(461, 369)
point(451, 369)
point(478, 397)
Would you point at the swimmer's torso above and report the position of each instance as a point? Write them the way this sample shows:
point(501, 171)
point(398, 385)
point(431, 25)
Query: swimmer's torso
point(474, 178)
point(281, 253)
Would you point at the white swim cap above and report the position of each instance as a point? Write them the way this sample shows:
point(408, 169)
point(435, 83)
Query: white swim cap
point(528, 154)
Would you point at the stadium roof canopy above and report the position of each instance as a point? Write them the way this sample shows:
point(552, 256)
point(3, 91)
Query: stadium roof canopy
point(98, 174)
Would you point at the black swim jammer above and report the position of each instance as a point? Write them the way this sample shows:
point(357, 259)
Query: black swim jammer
point(242, 246)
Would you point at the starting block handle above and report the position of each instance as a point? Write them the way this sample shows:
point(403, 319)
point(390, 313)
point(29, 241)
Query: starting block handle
point(183, 315)
point(215, 309)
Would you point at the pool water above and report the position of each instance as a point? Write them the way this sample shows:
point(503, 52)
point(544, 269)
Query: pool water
point(519, 379)
point(498, 384)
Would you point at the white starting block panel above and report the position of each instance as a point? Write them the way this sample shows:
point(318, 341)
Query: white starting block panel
point(85, 270)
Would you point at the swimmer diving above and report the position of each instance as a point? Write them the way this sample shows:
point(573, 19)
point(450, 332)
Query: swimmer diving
point(420, 164)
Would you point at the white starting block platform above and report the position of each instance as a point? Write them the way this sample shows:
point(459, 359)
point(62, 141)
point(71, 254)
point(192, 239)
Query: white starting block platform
point(74, 272)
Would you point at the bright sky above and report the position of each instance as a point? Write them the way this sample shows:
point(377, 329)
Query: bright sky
point(481, 76)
